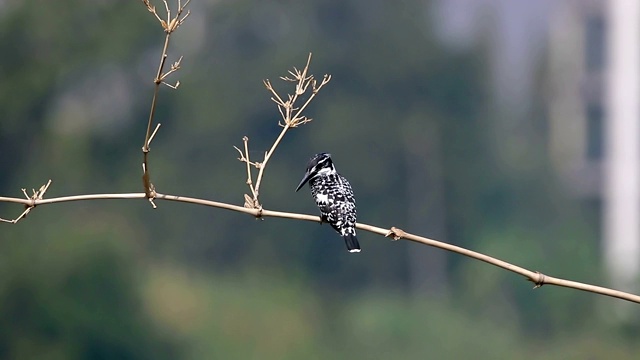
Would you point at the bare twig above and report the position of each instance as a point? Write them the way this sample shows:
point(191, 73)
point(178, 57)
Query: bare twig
point(37, 195)
point(249, 202)
point(172, 23)
point(154, 133)
point(169, 25)
point(291, 115)
point(536, 277)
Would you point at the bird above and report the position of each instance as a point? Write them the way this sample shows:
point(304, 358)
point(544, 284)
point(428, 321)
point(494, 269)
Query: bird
point(334, 196)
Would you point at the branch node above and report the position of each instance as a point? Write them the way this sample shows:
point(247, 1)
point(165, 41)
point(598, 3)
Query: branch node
point(151, 194)
point(539, 281)
point(253, 203)
point(172, 23)
point(396, 233)
point(267, 84)
point(37, 195)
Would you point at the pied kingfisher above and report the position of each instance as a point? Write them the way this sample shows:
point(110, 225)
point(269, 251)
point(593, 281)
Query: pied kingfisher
point(334, 197)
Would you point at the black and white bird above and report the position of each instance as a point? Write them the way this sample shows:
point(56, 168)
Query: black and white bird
point(334, 197)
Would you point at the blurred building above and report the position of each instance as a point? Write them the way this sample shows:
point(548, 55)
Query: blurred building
point(594, 119)
point(575, 94)
point(591, 94)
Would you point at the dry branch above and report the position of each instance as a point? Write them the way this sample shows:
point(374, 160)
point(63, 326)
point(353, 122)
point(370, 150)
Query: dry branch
point(536, 277)
point(292, 117)
point(169, 25)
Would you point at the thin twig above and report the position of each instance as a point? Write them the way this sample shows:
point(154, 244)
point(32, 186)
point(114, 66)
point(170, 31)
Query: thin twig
point(37, 195)
point(154, 133)
point(245, 140)
point(536, 277)
point(267, 156)
point(303, 119)
point(291, 116)
point(169, 25)
point(249, 202)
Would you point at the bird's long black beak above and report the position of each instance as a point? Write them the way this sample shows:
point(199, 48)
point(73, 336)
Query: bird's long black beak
point(304, 180)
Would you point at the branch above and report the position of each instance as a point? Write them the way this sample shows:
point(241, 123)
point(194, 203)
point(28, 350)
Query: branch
point(292, 117)
point(37, 195)
point(169, 25)
point(536, 277)
point(249, 202)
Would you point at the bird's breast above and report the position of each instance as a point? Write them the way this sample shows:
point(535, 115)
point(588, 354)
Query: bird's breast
point(322, 198)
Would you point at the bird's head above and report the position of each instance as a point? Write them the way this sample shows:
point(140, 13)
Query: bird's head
point(320, 164)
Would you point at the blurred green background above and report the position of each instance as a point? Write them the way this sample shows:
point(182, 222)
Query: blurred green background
point(411, 122)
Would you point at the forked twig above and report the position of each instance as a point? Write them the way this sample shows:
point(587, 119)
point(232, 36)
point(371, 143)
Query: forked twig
point(292, 117)
point(172, 23)
point(37, 195)
point(169, 25)
point(249, 202)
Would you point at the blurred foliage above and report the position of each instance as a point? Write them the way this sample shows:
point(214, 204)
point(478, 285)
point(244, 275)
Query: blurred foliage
point(409, 122)
point(75, 295)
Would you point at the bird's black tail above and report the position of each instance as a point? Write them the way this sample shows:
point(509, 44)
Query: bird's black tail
point(352, 242)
